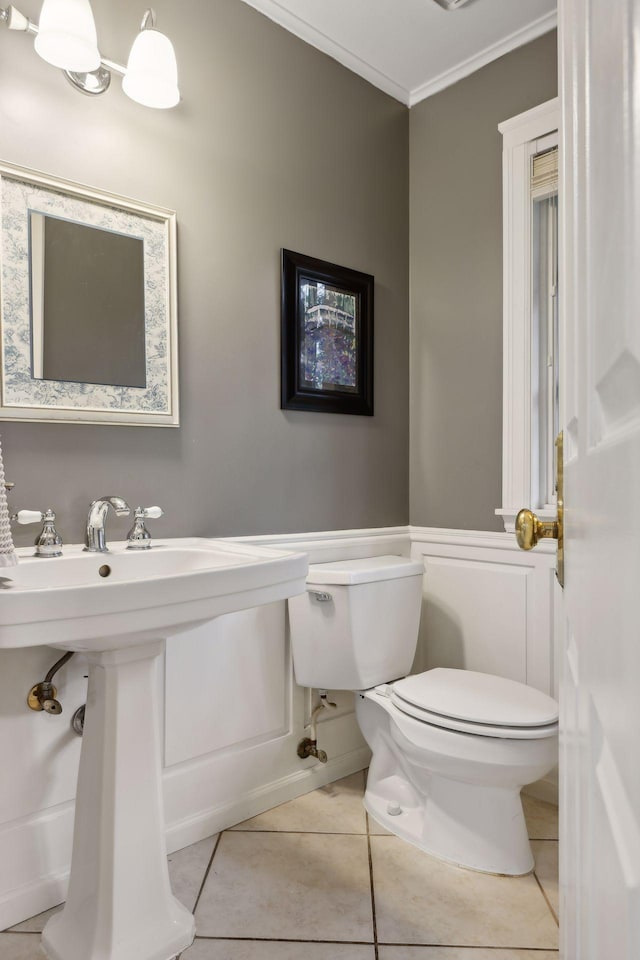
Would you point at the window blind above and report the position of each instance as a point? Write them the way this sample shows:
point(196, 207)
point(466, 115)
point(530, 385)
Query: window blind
point(544, 169)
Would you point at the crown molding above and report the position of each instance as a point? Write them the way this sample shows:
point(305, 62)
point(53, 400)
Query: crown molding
point(300, 28)
point(517, 39)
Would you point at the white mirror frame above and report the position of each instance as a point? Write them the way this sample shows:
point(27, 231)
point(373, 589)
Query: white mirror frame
point(22, 397)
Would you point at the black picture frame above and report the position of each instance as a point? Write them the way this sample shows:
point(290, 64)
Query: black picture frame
point(327, 337)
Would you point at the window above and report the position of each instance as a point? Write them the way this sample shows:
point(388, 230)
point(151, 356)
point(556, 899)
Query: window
point(544, 325)
point(530, 325)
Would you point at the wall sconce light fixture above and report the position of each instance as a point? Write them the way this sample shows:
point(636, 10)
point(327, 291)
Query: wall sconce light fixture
point(66, 37)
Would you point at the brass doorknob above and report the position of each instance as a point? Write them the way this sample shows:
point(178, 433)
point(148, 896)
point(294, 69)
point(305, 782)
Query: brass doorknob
point(529, 529)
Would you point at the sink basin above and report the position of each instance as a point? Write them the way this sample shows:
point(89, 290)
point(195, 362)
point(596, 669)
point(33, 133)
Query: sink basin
point(119, 607)
point(103, 601)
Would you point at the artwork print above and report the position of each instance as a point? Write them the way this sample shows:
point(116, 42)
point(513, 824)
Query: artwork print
point(328, 337)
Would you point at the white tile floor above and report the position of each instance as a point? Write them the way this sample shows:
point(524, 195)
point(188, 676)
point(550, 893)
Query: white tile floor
point(314, 878)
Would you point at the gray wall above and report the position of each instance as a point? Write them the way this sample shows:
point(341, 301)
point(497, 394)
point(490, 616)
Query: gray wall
point(273, 145)
point(456, 286)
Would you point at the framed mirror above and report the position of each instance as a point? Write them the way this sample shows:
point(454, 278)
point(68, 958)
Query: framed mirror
point(88, 304)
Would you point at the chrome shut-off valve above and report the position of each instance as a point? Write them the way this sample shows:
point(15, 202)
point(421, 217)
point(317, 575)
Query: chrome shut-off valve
point(308, 746)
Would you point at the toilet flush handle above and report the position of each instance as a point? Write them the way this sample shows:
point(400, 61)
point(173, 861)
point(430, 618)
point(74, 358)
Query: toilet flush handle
point(320, 596)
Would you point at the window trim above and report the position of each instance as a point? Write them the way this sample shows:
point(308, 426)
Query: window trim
point(522, 136)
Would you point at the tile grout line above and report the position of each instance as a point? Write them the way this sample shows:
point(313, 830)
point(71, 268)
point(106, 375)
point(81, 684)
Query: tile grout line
point(206, 873)
point(472, 946)
point(315, 833)
point(348, 943)
point(535, 876)
point(21, 933)
point(368, 943)
point(546, 898)
point(373, 897)
point(204, 880)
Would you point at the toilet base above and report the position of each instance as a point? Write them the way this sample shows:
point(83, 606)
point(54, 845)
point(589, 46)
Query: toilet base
point(454, 795)
point(479, 828)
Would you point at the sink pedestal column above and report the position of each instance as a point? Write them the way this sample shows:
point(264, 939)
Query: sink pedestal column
point(120, 905)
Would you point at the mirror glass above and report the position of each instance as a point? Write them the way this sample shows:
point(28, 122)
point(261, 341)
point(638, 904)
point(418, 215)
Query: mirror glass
point(88, 304)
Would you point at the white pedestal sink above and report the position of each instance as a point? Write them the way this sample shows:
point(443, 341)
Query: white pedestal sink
point(118, 608)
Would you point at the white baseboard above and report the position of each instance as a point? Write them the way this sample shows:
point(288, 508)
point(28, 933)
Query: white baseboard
point(31, 899)
point(45, 892)
point(208, 822)
point(34, 863)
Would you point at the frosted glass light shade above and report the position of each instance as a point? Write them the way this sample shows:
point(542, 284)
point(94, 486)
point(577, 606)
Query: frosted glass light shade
point(152, 72)
point(67, 35)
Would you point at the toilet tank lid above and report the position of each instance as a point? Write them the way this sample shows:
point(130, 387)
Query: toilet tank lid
point(478, 697)
point(365, 570)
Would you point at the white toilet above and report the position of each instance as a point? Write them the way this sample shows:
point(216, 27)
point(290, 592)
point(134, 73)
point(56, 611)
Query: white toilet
point(451, 749)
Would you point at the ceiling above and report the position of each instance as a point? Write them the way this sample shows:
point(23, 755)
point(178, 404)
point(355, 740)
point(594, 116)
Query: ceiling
point(412, 48)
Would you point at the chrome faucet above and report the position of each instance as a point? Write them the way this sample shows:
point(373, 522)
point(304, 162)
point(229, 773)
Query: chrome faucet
point(95, 539)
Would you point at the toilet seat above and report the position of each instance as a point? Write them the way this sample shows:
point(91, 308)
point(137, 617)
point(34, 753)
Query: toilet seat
point(475, 703)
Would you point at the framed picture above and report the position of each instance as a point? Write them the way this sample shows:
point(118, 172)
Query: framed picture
point(327, 337)
point(88, 304)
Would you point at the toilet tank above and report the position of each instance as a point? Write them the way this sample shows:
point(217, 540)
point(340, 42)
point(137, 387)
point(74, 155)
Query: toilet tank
point(357, 624)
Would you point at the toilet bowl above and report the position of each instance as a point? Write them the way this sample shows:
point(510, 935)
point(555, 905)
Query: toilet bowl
point(451, 749)
point(454, 790)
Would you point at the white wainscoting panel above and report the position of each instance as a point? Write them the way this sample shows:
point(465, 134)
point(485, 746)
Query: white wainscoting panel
point(487, 606)
point(227, 683)
point(487, 630)
point(39, 747)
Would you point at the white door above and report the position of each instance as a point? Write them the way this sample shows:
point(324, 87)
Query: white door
point(600, 269)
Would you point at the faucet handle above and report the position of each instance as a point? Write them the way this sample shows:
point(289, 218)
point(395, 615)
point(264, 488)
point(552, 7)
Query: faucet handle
point(48, 543)
point(149, 513)
point(139, 537)
point(28, 516)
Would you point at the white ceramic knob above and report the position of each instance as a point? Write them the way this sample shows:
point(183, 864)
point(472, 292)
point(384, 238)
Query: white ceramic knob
point(393, 808)
point(29, 516)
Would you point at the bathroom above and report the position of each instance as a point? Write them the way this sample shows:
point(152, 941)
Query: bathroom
point(276, 145)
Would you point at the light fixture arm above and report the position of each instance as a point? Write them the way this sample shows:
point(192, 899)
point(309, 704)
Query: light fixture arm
point(149, 20)
point(14, 20)
point(114, 67)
